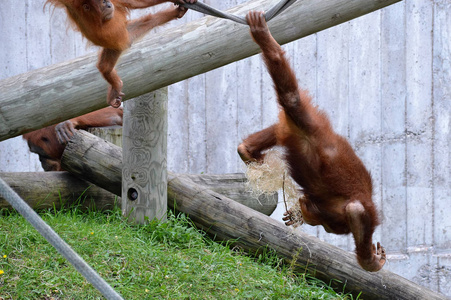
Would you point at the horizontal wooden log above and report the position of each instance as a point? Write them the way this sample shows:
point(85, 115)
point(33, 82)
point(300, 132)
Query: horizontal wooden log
point(59, 92)
point(43, 190)
point(97, 160)
point(100, 162)
point(227, 220)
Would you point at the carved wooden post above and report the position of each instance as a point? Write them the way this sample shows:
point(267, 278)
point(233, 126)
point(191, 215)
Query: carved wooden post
point(144, 171)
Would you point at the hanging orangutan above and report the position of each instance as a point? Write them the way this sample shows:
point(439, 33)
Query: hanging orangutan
point(336, 186)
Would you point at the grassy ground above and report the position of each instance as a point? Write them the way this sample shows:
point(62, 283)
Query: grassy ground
point(169, 260)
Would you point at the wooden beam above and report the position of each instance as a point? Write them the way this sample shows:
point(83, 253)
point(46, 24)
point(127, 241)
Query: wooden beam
point(254, 232)
point(56, 93)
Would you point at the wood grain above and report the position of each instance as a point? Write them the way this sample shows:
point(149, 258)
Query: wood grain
point(144, 166)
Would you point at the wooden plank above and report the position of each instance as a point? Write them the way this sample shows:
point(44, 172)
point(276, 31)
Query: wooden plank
point(44, 190)
point(393, 147)
point(14, 56)
point(332, 94)
point(249, 102)
point(112, 134)
point(224, 104)
point(444, 281)
point(144, 167)
point(419, 155)
point(195, 94)
point(13, 53)
point(196, 131)
point(442, 126)
point(442, 141)
point(414, 257)
point(38, 29)
point(187, 126)
point(64, 43)
point(178, 140)
point(30, 101)
point(197, 127)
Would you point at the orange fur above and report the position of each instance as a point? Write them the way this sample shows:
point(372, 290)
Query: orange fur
point(105, 23)
point(49, 142)
point(336, 186)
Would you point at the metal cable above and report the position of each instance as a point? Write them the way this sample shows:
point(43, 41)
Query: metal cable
point(208, 10)
point(52, 237)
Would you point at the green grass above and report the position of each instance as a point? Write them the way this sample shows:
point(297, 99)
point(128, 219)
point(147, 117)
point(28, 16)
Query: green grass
point(169, 260)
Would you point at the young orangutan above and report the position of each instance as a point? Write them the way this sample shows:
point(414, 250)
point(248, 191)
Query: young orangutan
point(105, 23)
point(337, 188)
point(49, 142)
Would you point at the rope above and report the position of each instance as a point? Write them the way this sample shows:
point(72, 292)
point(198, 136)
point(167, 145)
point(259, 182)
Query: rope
point(52, 237)
point(208, 10)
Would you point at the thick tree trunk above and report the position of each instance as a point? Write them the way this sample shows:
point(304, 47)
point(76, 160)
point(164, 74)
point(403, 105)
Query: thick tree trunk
point(162, 59)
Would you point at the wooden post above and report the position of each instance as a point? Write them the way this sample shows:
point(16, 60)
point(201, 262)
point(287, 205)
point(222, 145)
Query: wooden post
point(144, 143)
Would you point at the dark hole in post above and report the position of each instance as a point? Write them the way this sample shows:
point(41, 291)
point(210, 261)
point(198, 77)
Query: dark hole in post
point(132, 194)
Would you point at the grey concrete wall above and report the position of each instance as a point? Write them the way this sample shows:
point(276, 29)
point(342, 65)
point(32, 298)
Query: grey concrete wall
point(384, 79)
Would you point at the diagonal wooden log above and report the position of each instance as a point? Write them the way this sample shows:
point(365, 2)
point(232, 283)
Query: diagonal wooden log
point(59, 92)
point(254, 232)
